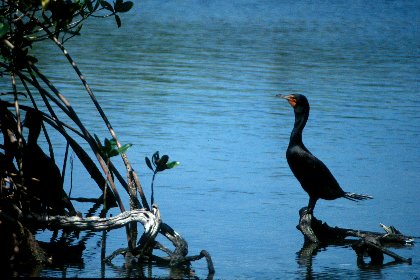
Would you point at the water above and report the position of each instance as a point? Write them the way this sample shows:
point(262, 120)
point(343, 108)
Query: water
point(197, 79)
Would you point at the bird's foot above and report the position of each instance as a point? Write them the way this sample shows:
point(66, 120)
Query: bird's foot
point(305, 211)
point(305, 223)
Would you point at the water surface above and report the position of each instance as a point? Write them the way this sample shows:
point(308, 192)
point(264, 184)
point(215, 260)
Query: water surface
point(197, 79)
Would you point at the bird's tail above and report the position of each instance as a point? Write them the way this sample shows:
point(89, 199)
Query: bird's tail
point(355, 196)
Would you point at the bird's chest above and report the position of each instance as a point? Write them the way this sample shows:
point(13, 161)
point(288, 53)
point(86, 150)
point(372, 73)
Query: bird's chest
point(301, 164)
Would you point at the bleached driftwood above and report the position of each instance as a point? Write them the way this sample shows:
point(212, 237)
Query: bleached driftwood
point(146, 218)
point(153, 225)
point(369, 243)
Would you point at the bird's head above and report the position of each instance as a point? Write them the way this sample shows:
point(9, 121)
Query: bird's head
point(32, 119)
point(299, 102)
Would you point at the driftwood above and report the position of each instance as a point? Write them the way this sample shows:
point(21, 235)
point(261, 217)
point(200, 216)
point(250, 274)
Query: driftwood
point(152, 224)
point(368, 243)
point(95, 223)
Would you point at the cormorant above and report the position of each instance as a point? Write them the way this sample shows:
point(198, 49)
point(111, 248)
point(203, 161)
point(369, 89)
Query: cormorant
point(314, 176)
point(41, 174)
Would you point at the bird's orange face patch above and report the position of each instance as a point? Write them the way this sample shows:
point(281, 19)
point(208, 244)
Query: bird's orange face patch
point(292, 101)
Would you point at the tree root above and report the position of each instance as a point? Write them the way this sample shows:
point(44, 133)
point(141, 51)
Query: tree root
point(143, 253)
point(18, 243)
point(179, 257)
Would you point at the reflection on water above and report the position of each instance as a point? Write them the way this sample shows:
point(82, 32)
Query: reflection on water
point(308, 254)
point(197, 80)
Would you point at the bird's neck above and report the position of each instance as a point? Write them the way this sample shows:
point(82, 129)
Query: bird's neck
point(33, 134)
point(300, 121)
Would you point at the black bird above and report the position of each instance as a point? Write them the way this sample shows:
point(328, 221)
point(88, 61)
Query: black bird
point(41, 174)
point(314, 176)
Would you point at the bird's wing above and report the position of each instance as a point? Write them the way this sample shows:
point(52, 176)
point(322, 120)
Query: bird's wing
point(313, 173)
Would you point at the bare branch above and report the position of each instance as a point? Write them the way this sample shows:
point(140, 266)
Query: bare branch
point(95, 223)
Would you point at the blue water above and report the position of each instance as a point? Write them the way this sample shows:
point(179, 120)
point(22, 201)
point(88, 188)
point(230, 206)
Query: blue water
point(196, 80)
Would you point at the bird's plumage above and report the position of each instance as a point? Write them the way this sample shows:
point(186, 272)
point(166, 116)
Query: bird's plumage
point(314, 176)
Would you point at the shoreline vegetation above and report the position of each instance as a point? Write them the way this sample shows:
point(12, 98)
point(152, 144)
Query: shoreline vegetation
point(32, 196)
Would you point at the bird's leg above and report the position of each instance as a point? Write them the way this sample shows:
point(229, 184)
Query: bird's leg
point(305, 221)
point(311, 205)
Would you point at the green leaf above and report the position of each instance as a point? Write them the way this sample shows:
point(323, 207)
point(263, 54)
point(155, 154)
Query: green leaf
point(164, 159)
point(123, 7)
point(172, 164)
point(89, 5)
point(117, 4)
point(118, 20)
point(124, 148)
point(107, 144)
point(106, 5)
point(113, 153)
point(155, 158)
point(161, 164)
point(110, 144)
point(113, 142)
point(148, 163)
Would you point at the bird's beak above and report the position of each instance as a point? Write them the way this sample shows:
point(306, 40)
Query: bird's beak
point(290, 98)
